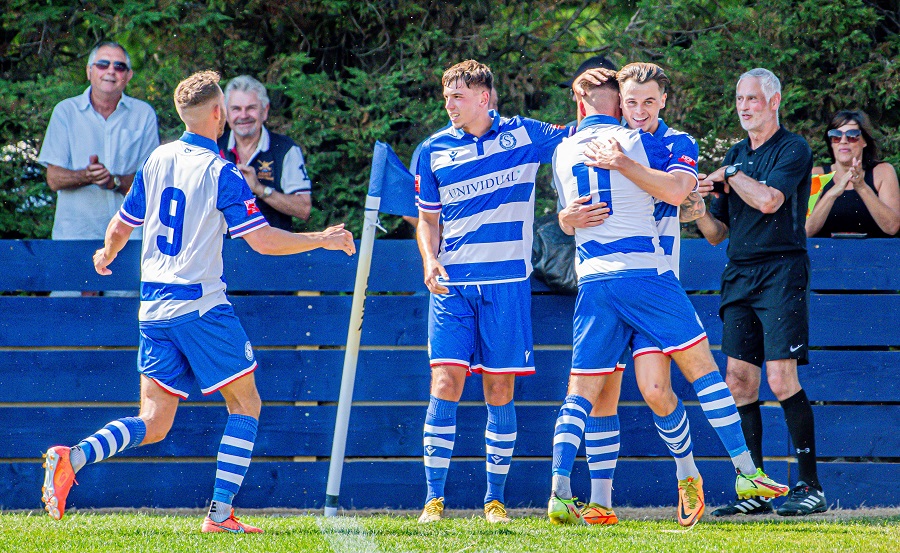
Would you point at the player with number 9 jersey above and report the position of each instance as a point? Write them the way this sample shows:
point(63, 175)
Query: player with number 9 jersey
point(184, 190)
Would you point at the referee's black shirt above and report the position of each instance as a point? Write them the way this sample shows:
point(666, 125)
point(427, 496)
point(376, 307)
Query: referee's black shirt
point(783, 162)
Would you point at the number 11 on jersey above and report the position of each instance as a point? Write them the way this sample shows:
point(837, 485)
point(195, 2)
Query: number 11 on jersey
point(593, 182)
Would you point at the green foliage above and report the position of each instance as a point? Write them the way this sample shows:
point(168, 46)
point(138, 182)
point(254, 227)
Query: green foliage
point(828, 55)
point(344, 73)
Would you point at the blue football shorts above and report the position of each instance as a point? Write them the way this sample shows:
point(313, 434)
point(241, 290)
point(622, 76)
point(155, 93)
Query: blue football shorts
point(650, 312)
point(485, 328)
point(213, 350)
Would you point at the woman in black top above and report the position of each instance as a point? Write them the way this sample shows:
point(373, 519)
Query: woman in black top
point(863, 195)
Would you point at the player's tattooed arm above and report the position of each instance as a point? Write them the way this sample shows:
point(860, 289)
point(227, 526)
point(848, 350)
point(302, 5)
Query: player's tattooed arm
point(692, 208)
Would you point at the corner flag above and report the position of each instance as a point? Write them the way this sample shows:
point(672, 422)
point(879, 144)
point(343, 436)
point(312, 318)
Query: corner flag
point(391, 190)
point(392, 183)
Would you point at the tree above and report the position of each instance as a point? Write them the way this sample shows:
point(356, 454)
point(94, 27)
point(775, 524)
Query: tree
point(344, 73)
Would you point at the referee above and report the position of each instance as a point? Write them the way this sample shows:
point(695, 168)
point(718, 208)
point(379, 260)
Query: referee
point(765, 285)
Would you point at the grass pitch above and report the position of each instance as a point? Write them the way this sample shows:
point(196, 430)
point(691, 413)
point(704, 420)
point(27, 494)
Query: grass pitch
point(175, 533)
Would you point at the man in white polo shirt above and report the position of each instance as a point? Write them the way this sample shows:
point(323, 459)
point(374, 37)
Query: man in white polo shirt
point(94, 145)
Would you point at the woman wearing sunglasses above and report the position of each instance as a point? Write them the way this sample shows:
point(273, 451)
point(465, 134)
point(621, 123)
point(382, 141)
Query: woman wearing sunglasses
point(857, 193)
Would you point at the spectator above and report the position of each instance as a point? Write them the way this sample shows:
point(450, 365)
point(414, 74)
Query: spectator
point(860, 193)
point(94, 145)
point(765, 285)
point(272, 163)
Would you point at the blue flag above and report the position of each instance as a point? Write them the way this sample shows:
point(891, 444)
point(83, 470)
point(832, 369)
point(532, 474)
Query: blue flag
point(392, 182)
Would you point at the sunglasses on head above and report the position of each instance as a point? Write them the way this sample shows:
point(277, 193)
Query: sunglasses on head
point(851, 134)
point(119, 66)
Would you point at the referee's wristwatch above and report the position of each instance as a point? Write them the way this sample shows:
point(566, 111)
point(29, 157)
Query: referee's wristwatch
point(267, 191)
point(730, 171)
point(118, 184)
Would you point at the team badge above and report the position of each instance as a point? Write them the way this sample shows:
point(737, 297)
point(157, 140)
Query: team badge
point(248, 351)
point(265, 171)
point(688, 160)
point(507, 141)
point(251, 209)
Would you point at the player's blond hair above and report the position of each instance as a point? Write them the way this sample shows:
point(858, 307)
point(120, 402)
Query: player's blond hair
point(197, 90)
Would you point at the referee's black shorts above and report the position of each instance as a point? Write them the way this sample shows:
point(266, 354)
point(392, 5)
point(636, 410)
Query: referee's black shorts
point(765, 310)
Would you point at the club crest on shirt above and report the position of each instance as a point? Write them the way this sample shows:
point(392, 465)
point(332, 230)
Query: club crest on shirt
point(265, 171)
point(507, 141)
point(251, 208)
point(688, 160)
point(248, 351)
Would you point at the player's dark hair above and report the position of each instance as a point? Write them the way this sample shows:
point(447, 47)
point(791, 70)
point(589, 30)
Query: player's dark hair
point(610, 84)
point(643, 73)
point(471, 72)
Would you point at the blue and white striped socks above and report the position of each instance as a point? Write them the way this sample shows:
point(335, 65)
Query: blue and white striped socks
point(113, 438)
point(566, 439)
point(499, 442)
point(721, 412)
point(439, 436)
point(601, 444)
point(232, 462)
point(675, 430)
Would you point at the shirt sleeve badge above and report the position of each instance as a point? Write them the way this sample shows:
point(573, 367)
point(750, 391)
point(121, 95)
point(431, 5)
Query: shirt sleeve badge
point(251, 206)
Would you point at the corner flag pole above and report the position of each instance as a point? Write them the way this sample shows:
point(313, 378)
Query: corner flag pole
point(390, 181)
point(351, 356)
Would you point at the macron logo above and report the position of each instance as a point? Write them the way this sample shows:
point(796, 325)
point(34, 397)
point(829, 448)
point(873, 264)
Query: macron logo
point(496, 459)
point(429, 450)
point(527, 355)
point(453, 154)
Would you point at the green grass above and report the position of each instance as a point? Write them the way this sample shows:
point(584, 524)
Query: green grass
point(24, 533)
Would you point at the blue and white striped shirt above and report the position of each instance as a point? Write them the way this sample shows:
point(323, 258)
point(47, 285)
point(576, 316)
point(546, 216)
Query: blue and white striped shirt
point(627, 243)
point(685, 152)
point(483, 187)
point(186, 197)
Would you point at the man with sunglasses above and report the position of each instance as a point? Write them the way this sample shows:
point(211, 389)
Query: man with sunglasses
point(94, 145)
point(765, 285)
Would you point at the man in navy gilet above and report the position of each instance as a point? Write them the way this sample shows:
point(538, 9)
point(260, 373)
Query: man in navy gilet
point(271, 163)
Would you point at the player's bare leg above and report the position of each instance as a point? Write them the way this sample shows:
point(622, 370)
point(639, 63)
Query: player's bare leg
point(653, 372)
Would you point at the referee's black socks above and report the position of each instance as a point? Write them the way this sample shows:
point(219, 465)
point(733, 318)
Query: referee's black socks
point(799, 417)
